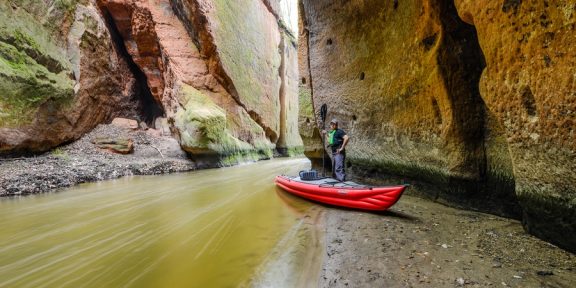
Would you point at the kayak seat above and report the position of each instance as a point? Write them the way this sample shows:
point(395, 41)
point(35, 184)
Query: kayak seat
point(309, 175)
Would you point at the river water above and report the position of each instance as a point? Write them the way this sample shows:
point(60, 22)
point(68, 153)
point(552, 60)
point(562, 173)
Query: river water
point(211, 228)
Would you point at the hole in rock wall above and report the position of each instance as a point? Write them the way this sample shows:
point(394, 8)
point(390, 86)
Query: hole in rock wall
point(303, 80)
point(429, 42)
point(354, 117)
point(362, 75)
point(437, 114)
point(329, 41)
point(511, 5)
point(528, 101)
point(149, 109)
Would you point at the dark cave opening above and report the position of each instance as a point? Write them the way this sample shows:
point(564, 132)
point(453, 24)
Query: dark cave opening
point(149, 109)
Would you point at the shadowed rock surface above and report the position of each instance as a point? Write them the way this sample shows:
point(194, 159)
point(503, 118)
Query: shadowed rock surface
point(529, 84)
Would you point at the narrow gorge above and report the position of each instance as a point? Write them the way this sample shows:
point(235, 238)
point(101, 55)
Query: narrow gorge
point(471, 102)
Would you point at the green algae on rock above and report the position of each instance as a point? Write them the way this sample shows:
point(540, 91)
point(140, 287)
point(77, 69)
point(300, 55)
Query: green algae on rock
point(33, 69)
point(204, 130)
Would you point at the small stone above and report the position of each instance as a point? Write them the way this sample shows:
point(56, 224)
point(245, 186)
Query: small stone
point(125, 123)
point(122, 146)
point(154, 132)
point(460, 281)
point(544, 273)
point(445, 246)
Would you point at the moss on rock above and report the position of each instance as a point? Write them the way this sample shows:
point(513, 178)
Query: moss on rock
point(33, 68)
point(549, 216)
point(305, 102)
point(251, 61)
point(204, 131)
point(27, 85)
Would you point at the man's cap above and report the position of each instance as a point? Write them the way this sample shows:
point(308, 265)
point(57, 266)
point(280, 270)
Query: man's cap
point(335, 121)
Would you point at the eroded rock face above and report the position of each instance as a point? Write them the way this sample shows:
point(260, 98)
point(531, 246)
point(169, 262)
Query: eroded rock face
point(222, 73)
point(137, 28)
point(309, 124)
point(222, 70)
point(529, 84)
point(58, 75)
point(403, 81)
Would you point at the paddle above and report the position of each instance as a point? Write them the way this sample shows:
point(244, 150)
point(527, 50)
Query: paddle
point(323, 111)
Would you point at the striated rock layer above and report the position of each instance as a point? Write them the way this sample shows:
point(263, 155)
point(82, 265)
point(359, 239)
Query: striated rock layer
point(425, 96)
point(223, 73)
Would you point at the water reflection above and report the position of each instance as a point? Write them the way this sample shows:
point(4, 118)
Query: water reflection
point(206, 228)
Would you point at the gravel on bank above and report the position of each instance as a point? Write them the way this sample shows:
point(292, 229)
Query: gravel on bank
point(81, 161)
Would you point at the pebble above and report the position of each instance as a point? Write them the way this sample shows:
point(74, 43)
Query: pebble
point(460, 281)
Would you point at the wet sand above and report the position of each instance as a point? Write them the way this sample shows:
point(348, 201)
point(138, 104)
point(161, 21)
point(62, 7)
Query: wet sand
point(419, 243)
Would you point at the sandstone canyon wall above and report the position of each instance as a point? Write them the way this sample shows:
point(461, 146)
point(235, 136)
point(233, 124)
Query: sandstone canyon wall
point(476, 101)
point(529, 84)
point(481, 108)
point(413, 106)
point(222, 73)
point(58, 77)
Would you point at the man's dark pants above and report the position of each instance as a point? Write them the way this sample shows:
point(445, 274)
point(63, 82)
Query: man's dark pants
point(338, 160)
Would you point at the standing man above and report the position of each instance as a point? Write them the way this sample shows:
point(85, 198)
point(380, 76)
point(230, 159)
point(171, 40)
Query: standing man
point(337, 140)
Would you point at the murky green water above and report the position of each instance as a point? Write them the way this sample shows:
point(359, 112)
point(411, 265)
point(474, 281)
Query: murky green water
point(211, 228)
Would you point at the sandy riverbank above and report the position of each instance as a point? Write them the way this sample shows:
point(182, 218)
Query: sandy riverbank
point(419, 243)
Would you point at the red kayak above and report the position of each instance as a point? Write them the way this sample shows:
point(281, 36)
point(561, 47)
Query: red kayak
point(344, 194)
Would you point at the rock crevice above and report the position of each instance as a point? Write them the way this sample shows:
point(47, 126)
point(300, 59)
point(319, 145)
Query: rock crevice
point(150, 108)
